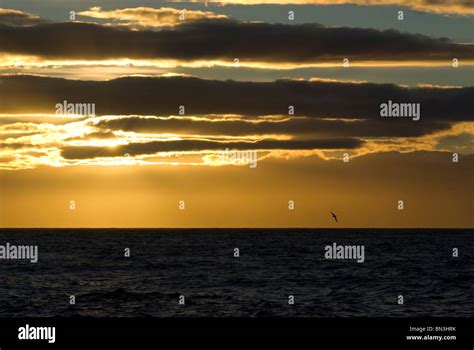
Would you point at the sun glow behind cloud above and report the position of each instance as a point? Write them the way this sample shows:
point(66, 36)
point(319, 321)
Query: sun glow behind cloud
point(24, 63)
point(37, 141)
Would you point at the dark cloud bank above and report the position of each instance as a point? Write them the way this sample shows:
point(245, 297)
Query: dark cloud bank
point(302, 127)
point(226, 40)
point(164, 95)
point(80, 152)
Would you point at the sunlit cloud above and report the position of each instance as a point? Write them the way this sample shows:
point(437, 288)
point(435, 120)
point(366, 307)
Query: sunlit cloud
point(40, 139)
point(93, 141)
point(147, 17)
point(123, 66)
point(18, 18)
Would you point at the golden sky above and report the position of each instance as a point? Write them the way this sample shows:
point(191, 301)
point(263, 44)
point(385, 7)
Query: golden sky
point(364, 193)
point(133, 117)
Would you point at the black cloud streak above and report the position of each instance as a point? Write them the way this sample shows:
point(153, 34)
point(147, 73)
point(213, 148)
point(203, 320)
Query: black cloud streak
point(85, 152)
point(226, 40)
point(303, 127)
point(163, 96)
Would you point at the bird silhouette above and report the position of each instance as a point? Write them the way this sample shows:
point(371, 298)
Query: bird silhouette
point(334, 216)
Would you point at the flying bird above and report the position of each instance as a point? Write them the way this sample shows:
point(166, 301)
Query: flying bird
point(334, 216)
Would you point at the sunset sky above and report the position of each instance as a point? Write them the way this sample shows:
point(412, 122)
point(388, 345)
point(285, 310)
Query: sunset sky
point(175, 84)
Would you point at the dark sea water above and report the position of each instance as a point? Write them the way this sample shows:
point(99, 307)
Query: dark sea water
point(273, 264)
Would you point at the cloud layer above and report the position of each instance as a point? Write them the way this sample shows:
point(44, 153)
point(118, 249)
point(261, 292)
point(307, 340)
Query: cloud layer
point(164, 96)
point(18, 18)
point(143, 120)
point(225, 40)
point(147, 17)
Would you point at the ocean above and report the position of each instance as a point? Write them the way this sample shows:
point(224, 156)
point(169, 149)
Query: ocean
point(273, 264)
